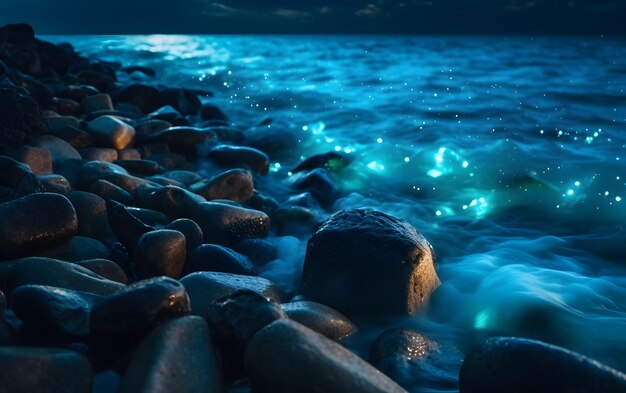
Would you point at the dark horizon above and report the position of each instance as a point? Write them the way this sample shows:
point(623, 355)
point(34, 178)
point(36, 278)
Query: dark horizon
point(416, 17)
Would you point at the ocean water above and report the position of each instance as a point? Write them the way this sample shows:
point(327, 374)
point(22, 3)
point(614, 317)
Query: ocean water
point(506, 153)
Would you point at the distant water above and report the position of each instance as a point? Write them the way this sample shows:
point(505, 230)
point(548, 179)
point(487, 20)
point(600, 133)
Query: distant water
point(507, 153)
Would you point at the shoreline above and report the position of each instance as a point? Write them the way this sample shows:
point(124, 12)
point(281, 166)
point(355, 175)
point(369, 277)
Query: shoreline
point(119, 254)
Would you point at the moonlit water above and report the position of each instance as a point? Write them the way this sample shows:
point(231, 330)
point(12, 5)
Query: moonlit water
point(506, 153)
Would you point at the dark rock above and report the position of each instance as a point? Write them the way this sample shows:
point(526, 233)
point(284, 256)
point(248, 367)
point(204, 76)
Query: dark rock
point(214, 258)
point(149, 216)
point(39, 160)
point(99, 170)
point(110, 131)
point(140, 167)
point(174, 201)
point(77, 91)
point(187, 178)
point(239, 156)
point(78, 249)
point(234, 320)
point(332, 162)
point(212, 112)
point(164, 181)
point(320, 318)
point(129, 154)
point(225, 133)
point(107, 381)
point(228, 225)
point(57, 123)
point(172, 161)
point(181, 137)
point(25, 369)
point(520, 365)
point(177, 356)
point(98, 154)
point(191, 230)
point(105, 268)
point(155, 149)
point(35, 223)
point(56, 184)
point(143, 96)
point(259, 251)
point(108, 190)
point(76, 137)
point(206, 287)
point(171, 115)
point(304, 199)
point(144, 70)
point(125, 225)
point(395, 348)
point(69, 169)
point(17, 179)
point(97, 102)
point(320, 185)
point(20, 120)
point(160, 253)
point(283, 356)
point(365, 261)
point(66, 107)
point(51, 314)
point(149, 127)
point(236, 185)
point(54, 273)
point(294, 220)
point(58, 148)
point(134, 311)
point(263, 202)
point(183, 100)
point(99, 80)
point(91, 211)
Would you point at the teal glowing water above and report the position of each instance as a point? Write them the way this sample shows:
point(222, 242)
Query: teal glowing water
point(507, 153)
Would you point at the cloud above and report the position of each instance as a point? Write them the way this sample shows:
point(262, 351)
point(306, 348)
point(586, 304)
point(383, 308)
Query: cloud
point(219, 9)
point(287, 13)
point(369, 11)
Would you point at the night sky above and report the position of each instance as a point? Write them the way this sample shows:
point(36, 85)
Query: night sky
point(318, 16)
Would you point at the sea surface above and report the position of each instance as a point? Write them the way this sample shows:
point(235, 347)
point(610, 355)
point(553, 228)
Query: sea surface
point(507, 153)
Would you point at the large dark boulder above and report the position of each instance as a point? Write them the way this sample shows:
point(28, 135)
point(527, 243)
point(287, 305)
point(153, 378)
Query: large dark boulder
point(177, 356)
point(363, 261)
point(27, 369)
point(35, 223)
point(517, 365)
point(288, 357)
point(204, 288)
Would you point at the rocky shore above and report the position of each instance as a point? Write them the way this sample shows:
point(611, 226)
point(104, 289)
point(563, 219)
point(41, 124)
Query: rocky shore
point(123, 268)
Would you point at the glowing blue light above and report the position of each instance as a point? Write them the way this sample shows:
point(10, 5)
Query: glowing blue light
point(438, 212)
point(439, 155)
point(375, 166)
point(434, 173)
point(618, 199)
point(407, 159)
point(570, 192)
point(577, 184)
point(379, 140)
point(305, 128)
point(481, 321)
point(465, 164)
point(337, 148)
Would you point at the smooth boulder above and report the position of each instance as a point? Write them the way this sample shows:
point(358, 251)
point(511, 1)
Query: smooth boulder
point(35, 223)
point(214, 258)
point(228, 225)
point(363, 261)
point(235, 185)
point(518, 365)
point(27, 369)
point(111, 131)
point(160, 253)
point(320, 318)
point(206, 287)
point(177, 356)
point(287, 357)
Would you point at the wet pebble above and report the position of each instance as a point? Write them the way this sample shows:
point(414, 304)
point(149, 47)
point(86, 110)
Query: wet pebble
point(236, 185)
point(214, 258)
point(160, 253)
point(320, 318)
